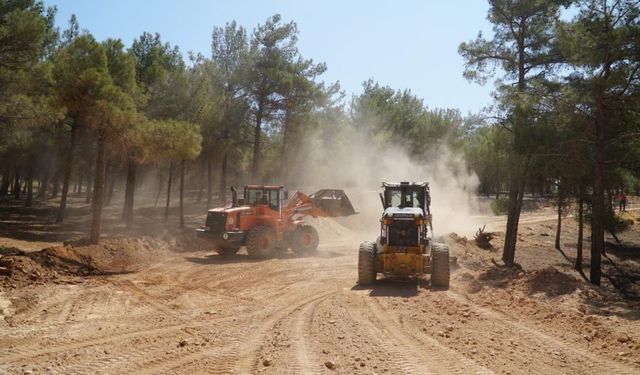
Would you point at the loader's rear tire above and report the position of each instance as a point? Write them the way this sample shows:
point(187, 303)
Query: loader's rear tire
point(227, 251)
point(440, 273)
point(305, 240)
point(367, 263)
point(261, 242)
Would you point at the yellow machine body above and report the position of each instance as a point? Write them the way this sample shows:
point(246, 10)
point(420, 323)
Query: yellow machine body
point(403, 261)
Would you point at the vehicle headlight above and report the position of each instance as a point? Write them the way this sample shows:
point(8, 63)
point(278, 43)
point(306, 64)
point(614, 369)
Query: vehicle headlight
point(225, 236)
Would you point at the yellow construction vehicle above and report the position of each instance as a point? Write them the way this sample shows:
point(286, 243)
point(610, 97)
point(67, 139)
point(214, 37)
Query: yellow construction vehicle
point(404, 248)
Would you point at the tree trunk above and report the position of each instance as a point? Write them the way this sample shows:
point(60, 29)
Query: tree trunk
point(597, 224)
point(201, 171)
point(29, 185)
point(517, 179)
point(112, 182)
point(29, 181)
point(166, 207)
point(79, 182)
point(98, 192)
point(55, 188)
point(283, 151)
point(67, 174)
point(513, 215)
point(182, 167)
point(560, 206)
point(160, 184)
point(6, 181)
point(578, 265)
point(16, 185)
point(597, 204)
point(44, 184)
point(222, 192)
point(209, 182)
point(255, 167)
point(129, 191)
point(90, 182)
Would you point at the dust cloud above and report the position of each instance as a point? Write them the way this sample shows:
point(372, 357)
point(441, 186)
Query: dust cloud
point(359, 166)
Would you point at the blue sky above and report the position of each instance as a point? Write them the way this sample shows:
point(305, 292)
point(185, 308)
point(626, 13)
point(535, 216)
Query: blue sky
point(403, 44)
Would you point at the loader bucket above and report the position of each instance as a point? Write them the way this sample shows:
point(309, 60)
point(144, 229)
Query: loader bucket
point(334, 202)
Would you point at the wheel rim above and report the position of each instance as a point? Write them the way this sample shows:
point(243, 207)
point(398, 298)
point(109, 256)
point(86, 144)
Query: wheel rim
point(265, 242)
point(307, 239)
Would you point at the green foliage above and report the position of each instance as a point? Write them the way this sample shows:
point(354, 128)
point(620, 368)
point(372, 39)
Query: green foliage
point(154, 60)
point(392, 116)
point(174, 140)
point(25, 30)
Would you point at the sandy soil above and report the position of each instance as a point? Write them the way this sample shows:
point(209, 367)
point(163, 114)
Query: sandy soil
point(161, 305)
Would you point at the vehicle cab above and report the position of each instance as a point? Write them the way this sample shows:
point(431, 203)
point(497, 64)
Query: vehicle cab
point(403, 226)
point(259, 204)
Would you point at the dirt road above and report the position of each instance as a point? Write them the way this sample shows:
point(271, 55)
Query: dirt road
point(196, 312)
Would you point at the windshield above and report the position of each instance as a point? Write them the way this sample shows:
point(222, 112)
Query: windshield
point(270, 197)
point(404, 198)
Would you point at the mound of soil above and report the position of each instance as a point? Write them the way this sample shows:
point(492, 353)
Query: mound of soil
point(549, 281)
point(111, 256)
point(18, 269)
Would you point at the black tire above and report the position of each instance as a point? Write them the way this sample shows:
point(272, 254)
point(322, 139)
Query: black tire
point(305, 240)
point(227, 251)
point(261, 242)
point(440, 273)
point(367, 263)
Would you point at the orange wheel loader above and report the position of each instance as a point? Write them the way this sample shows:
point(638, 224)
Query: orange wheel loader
point(267, 220)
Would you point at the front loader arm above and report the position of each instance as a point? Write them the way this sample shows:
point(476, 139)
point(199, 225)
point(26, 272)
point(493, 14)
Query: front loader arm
point(323, 203)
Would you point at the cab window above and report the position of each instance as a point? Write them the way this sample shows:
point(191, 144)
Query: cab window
point(274, 199)
point(254, 197)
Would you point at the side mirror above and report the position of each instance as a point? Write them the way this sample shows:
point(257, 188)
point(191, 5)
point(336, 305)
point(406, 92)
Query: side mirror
point(240, 201)
point(286, 194)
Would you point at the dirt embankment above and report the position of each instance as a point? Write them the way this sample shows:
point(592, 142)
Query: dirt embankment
point(60, 264)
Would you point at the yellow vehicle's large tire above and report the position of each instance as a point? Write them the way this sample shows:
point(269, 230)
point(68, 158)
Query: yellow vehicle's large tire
point(367, 263)
point(261, 242)
point(440, 273)
point(305, 240)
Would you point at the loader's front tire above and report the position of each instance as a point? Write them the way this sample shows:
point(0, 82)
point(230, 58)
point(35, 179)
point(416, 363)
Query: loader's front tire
point(440, 273)
point(227, 251)
point(367, 263)
point(305, 240)
point(261, 242)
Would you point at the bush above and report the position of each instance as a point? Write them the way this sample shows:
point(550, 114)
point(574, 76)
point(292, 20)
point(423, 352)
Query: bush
point(500, 206)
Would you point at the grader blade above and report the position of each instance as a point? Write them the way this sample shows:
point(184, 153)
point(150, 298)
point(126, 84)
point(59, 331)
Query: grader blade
point(333, 201)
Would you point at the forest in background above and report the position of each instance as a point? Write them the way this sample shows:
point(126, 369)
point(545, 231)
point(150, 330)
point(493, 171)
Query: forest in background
point(78, 114)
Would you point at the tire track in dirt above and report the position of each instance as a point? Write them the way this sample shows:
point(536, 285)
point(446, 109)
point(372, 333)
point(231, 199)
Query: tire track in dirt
point(23, 353)
point(543, 340)
point(390, 352)
point(295, 330)
point(146, 298)
point(220, 359)
point(224, 358)
point(250, 350)
point(65, 322)
point(302, 323)
point(165, 355)
point(419, 354)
